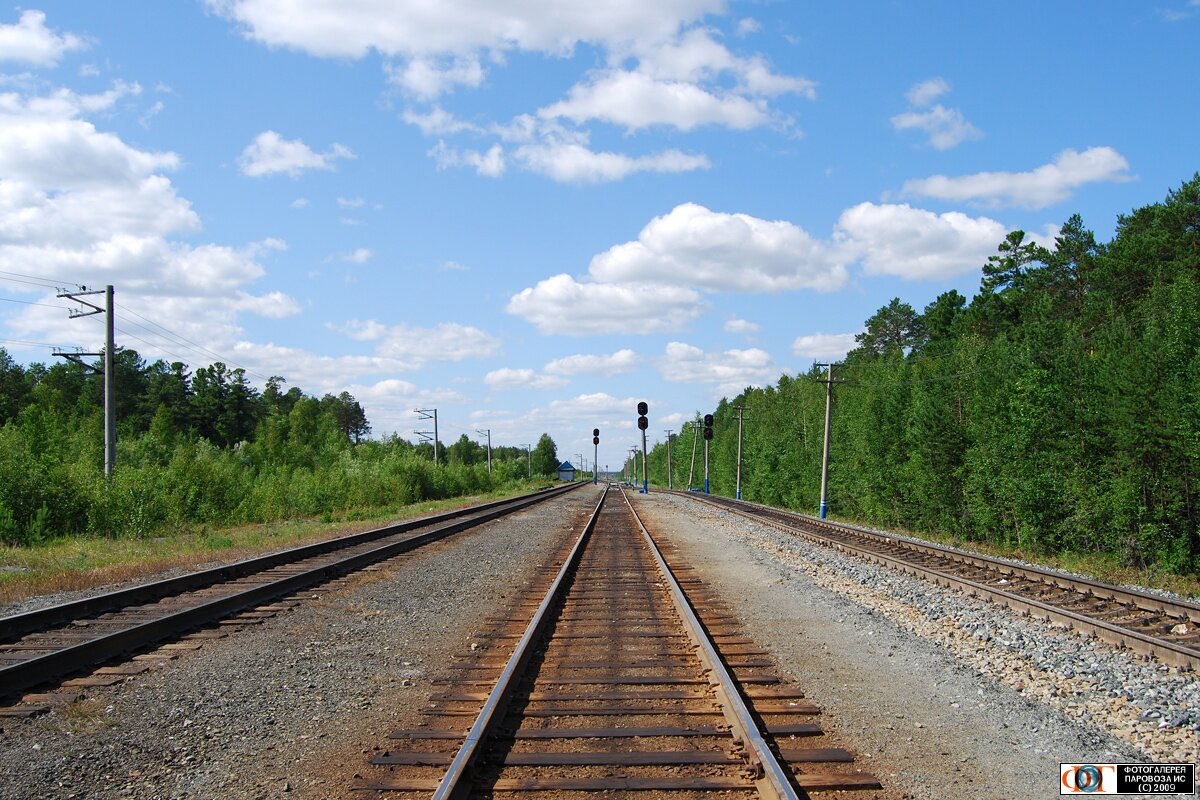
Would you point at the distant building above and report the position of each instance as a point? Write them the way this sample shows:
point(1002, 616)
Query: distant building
point(566, 472)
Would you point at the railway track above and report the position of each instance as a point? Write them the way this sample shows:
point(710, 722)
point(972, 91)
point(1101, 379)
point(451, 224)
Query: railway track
point(50, 644)
point(614, 676)
point(1147, 624)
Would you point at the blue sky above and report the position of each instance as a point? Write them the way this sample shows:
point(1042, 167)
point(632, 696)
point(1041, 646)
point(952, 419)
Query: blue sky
point(531, 214)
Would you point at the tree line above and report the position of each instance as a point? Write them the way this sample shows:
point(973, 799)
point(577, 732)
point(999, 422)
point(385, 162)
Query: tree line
point(209, 448)
point(1056, 411)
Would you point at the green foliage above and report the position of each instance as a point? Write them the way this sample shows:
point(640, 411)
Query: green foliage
point(205, 451)
point(1057, 412)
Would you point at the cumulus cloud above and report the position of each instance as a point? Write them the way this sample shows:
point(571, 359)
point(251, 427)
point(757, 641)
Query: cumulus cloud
point(81, 205)
point(947, 128)
point(1048, 184)
point(359, 255)
point(427, 78)
point(29, 41)
point(722, 252)
point(270, 154)
point(740, 326)
point(728, 372)
point(335, 29)
point(916, 244)
point(827, 346)
point(575, 163)
point(507, 378)
point(636, 100)
point(617, 363)
point(410, 347)
point(562, 305)
point(436, 122)
point(492, 163)
point(925, 92)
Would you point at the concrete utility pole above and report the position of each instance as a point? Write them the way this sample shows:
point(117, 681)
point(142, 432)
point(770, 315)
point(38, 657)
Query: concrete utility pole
point(825, 454)
point(429, 413)
point(738, 491)
point(108, 370)
point(487, 433)
point(633, 453)
point(529, 460)
point(669, 486)
point(695, 441)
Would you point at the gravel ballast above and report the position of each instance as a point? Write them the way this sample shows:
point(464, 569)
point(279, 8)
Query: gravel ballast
point(939, 695)
point(950, 695)
point(291, 707)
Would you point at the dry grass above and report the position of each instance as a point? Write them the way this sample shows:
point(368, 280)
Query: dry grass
point(88, 716)
point(83, 563)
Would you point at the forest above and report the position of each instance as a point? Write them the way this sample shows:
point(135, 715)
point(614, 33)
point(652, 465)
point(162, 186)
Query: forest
point(208, 448)
point(1057, 411)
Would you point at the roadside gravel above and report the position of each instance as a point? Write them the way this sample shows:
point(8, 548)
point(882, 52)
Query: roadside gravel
point(947, 695)
point(291, 707)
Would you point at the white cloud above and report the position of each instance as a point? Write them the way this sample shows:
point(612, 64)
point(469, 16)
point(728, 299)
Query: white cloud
point(31, 42)
point(80, 205)
point(335, 29)
point(747, 26)
point(694, 246)
point(409, 347)
point(452, 266)
point(740, 326)
point(828, 346)
point(574, 163)
point(560, 305)
point(270, 153)
point(490, 164)
point(360, 255)
point(351, 202)
point(1048, 184)
point(427, 77)
point(946, 127)
point(729, 372)
point(636, 100)
point(507, 378)
point(437, 122)
point(915, 244)
point(617, 363)
point(925, 92)
point(300, 202)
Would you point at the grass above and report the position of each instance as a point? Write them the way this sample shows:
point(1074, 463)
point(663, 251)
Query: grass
point(72, 564)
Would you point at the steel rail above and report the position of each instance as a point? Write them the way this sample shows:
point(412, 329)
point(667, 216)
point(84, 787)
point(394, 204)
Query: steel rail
point(452, 783)
point(772, 779)
point(1107, 591)
point(19, 624)
point(1167, 651)
point(42, 669)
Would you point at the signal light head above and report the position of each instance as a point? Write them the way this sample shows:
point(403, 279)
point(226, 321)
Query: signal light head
point(643, 409)
point(595, 440)
point(595, 431)
point(643, 423)
point(708, 433)
point(708, 420)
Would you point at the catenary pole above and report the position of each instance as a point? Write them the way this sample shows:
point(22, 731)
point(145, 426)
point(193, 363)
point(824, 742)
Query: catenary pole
point(669, 485)
point(738, 490)
point(695, 441)
point(825, 451)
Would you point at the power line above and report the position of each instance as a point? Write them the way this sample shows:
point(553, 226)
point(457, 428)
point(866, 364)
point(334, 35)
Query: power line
point(31, 344)
point(32, 303)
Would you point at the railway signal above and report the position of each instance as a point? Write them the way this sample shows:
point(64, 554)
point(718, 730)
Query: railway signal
point(643, 424)
point(595, 455)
